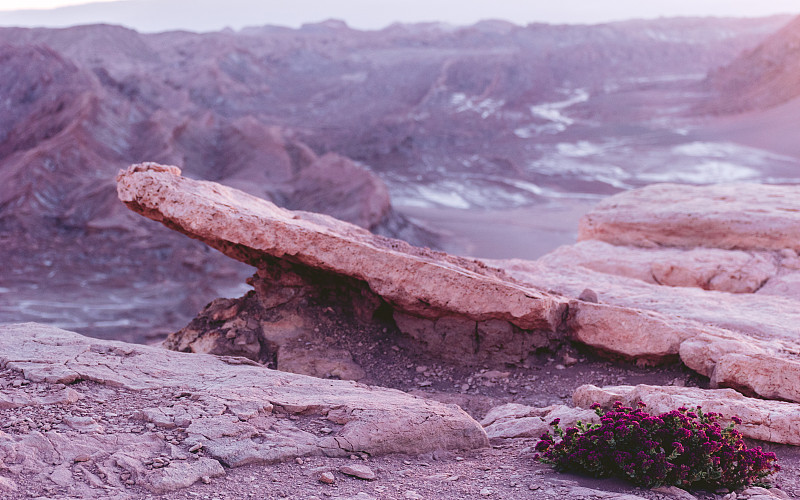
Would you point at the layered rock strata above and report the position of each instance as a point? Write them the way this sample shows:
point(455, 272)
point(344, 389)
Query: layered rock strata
point(458, 308)
point(733, 216)
point(171, 419)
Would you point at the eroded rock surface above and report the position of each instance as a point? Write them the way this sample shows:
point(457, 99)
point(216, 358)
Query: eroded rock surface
point(735, 271)
point(138, 417)
point(459, 308)
point(704, 274)
point(514, 420)
point(464, 310)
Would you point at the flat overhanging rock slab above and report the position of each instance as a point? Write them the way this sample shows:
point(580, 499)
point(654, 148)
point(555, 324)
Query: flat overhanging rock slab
point(232, 410)
point(415, 281)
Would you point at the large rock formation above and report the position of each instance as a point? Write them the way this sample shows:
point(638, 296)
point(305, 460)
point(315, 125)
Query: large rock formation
point(316, 118)
point(459, 308)
point(462, 309)
point(169, 419)
point(693, 256)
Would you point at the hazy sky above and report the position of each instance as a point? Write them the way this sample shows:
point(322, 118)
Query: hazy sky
point(202, 15)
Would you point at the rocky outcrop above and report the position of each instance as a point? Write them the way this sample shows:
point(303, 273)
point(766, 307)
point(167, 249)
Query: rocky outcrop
point(464, 310)
point(738, 217)
point(458, 308)
point(773, 421)
point(735, 271)
point(170, 419)
point(701, 274)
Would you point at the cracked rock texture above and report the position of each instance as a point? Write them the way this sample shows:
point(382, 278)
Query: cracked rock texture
point(137, 417)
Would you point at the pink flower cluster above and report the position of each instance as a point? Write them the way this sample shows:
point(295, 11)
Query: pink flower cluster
point(683, 447)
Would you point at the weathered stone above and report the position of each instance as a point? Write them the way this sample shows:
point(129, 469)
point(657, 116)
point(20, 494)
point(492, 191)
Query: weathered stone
point(767, 376)
point(180, 475)
point(642, 321)
point(707, 268)
point(644, 336)
point(236, 409)
point(514, 420)
point(319, 249)
point(740, 216)
point(359, 471)
point(756, 315)
point(62, 476)
point(465, 310)
point(775, 421)
point(676, 492)
point(82, 424)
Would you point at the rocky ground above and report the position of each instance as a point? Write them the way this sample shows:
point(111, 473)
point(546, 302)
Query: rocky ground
point(505, 469)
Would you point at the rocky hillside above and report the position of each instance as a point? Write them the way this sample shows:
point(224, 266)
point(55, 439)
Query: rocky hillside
point(763, 77)
point(241, 107)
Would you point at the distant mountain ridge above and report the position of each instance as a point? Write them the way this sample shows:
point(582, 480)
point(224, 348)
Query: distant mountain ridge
point(403, 96)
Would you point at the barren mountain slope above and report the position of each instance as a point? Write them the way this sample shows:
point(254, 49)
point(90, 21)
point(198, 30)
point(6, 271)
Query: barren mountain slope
point(766, 76)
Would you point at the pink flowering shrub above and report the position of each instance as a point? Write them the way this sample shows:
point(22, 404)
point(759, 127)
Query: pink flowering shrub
point(684, 447)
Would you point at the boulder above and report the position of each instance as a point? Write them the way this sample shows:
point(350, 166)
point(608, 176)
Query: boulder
point(513, 420)
point(729, 216)
point(774, 421)
point(300, 256)
point(162, 419)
